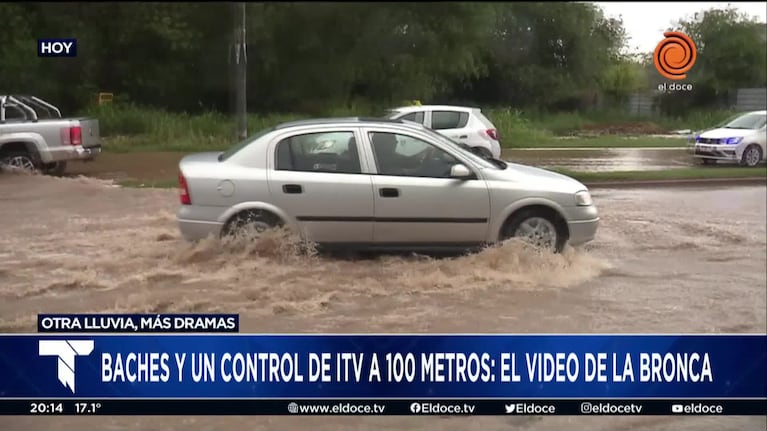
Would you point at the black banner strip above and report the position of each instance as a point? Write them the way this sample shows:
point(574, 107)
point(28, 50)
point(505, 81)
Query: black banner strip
point(386, 407)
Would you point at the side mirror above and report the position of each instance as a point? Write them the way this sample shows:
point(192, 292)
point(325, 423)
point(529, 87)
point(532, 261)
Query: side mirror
point(460, 171)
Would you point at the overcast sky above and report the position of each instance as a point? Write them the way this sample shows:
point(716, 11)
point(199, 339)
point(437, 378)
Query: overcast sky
point(645, 22)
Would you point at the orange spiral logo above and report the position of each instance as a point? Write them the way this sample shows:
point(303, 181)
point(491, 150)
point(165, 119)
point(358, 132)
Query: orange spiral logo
point(675, 55)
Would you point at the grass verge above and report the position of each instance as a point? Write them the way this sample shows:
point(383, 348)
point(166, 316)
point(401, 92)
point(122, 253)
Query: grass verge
point(128, 128)
point(693, 173)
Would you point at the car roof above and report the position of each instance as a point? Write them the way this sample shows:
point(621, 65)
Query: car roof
point(417, 108)
point(353, 121)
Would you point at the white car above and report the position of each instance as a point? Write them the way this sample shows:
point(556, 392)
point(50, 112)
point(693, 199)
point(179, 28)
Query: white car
point(742, 140)
point(464, 125)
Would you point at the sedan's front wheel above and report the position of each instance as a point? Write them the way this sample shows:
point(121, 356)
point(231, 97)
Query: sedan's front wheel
point(536, 229)
point(751, 156)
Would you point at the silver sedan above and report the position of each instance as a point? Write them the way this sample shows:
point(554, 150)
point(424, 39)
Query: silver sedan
point(378, 184)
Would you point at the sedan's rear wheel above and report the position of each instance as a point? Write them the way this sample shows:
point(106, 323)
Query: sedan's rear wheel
point(251, 223)
point(539, 230)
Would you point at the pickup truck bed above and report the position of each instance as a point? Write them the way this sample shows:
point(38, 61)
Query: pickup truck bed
point(28, 141)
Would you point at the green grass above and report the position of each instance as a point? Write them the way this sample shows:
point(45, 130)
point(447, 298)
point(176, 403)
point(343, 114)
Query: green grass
point(692, 173)
point(129, 128)
point(520, 129)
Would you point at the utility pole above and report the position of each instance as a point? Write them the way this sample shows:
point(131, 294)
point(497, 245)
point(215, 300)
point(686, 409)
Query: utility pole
point(241, 68)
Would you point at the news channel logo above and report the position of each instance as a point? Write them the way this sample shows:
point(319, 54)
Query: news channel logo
point(675, 55)
point(57, 47)
point(65, 351)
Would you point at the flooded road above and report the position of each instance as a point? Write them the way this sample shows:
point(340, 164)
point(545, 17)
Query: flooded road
point(670, 260)
point(604, 159)
point(163, 166)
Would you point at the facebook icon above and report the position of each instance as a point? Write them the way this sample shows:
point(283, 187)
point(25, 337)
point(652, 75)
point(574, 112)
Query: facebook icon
point(57, 47)
point(66, 351)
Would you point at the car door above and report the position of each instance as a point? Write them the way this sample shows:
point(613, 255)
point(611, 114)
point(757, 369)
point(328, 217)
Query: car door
point(317, 176)
point(419, 203)
point(450, 123)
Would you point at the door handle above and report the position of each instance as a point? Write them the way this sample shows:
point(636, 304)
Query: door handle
point(463, 136)
point(292, 189)
point(388, 193)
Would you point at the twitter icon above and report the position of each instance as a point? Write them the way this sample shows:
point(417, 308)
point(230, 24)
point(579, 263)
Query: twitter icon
point(510, 408)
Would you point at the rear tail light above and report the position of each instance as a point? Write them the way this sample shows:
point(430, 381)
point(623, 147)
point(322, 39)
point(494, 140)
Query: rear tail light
point(184, 194)
point(492, 133)
point(72, 135)
point(76, 135)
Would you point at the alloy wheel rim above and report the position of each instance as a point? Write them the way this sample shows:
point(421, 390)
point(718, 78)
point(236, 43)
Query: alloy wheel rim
point(253, 228)
point(539, 232)
point(20, 162)
point(752, 157)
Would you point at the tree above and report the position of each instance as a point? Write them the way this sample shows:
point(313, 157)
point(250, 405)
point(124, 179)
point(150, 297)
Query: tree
point(731, 53)
point(549, 54)
point(624, 77)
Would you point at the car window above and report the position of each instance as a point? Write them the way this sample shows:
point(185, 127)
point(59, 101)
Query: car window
point(403, 155)
point(234, 149)
point(416, 117)
point(441, 120)
point(334, 152)
point(749, 121)
point(462, 148)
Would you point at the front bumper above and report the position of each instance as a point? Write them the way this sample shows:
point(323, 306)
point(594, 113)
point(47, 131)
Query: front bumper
point(717, 152)
point(582, 231)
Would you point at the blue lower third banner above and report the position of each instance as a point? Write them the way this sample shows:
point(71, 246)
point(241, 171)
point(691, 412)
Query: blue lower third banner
point(383, 366)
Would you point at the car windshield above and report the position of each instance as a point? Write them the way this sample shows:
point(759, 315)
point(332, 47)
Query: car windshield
point(242, 144)
point(465, 150)
point(751, 121)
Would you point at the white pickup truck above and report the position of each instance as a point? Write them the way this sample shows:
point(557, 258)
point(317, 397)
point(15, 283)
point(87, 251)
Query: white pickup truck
point(34, 136)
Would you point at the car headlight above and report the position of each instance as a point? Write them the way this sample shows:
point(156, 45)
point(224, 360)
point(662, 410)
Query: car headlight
point(732, 141)
point(583, 198)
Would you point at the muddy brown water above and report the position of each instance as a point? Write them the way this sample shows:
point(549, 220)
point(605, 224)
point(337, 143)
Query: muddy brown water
point(687, 260)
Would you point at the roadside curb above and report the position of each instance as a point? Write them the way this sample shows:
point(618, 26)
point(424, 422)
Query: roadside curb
point(678, 183)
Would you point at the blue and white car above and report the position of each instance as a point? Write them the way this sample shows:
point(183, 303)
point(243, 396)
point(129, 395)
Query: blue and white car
point(742, 140)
